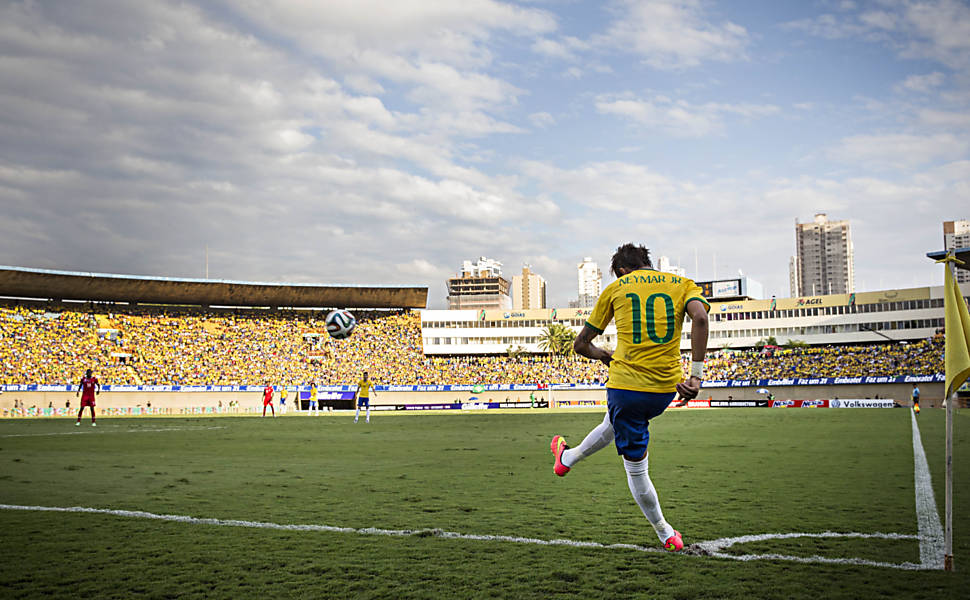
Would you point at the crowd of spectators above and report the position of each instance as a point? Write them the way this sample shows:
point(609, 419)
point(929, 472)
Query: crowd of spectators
point(924, 357)
point(51, 346)
point(152, 346)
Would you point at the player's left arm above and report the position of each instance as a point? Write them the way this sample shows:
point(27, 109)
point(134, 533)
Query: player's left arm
point(98, 391)
point(601, 316)
point(584, 346)
point(699, 327)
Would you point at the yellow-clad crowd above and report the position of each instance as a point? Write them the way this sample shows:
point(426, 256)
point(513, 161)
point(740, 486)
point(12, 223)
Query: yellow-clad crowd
point(51, 346)
point(924, 357)
point(151, 346)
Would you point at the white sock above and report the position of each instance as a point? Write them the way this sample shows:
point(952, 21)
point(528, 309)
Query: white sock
point(646, 497)
point(367, 417)
point(597, 439)
point(357, 414)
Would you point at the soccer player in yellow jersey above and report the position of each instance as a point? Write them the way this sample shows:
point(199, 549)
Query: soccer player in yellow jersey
point(313, 407)
point(645, 373)
point(363, 397)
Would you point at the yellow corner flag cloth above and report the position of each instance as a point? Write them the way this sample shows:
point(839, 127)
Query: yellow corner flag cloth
point(957, 323)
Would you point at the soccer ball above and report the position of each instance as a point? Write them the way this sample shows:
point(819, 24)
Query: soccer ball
point(340, 324)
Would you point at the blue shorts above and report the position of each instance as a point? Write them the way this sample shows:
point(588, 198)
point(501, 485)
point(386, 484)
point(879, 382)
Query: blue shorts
point(630, 414)
point(363, 401)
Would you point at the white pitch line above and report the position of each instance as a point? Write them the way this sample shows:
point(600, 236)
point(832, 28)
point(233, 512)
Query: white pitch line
point(100, 431)
point(927, 517)
point(716, 547)
point(712, 548)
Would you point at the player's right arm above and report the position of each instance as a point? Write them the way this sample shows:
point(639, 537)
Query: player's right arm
point(80, 387)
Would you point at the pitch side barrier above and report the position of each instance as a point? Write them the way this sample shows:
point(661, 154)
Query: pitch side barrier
point(738, 383)
point(235, 399)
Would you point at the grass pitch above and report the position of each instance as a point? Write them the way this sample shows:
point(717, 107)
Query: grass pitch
point(719, 474)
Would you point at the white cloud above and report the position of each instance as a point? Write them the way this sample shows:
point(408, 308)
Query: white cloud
point(932, 29)
point(565, 48)
point(362, 84)
point(921, 84)
point(542, 119)
point(900, 150)
point(949, 120)
point(668, 34)
point(680, 118)
point(433, 47)
point(611, 186)
point(424, 269)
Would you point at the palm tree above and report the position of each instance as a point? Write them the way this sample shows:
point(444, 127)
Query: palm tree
point(768, 341)
point(557, 339)
point(517, 352)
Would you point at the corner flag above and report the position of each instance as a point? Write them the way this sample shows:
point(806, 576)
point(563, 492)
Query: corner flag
point(957, 323)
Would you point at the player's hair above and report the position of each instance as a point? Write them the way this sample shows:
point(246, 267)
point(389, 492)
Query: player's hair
point(629, 256)
point(87, 373)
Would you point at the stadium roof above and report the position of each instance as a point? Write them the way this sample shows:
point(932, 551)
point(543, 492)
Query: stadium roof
point(69, 285)
point(960, 253)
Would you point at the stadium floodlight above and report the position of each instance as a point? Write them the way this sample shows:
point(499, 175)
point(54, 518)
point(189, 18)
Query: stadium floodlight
point(956, 325)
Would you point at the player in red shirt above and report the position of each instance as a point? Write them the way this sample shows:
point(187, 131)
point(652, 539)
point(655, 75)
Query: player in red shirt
point(268, 399)
point(87, 386)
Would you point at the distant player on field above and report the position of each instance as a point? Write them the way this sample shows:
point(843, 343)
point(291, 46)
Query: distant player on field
point(363, 395)
point(283, 400)
point(87, 389)
point(916, 399)
point(313, 400)
point(645, 369)
point(268, 399)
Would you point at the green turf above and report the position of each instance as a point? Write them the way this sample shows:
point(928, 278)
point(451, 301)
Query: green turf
point(719, 474)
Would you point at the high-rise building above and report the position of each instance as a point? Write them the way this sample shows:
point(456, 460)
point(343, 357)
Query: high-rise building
point(824, 257)
point(956, 234)
point(528, 290)
point(663, 264)
point(793, 276)
point(590, 280)
point(479, 286)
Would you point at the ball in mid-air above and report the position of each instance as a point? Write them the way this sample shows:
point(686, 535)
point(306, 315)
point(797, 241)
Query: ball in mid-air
point(340, 324)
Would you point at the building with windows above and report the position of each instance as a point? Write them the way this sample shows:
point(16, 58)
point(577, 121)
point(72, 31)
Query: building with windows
point(956, 234)
point(856, 318)
point(590, 280)
point(528, 290)
point(663, 264)
point(480, 286)
point(824, 258)
point(793, 276)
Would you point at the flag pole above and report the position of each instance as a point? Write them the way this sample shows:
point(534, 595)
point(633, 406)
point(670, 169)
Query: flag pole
point(948, 532)
point(951, 397)
point(948, 503)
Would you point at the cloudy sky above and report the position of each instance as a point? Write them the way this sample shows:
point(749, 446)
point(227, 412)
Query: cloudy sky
point(366, 141)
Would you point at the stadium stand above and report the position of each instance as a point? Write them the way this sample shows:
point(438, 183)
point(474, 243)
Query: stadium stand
point(53, 343)
point(920, 358)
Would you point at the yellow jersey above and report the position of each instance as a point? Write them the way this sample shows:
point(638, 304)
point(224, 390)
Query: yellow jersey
point(363, 388)
point(649, 308)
